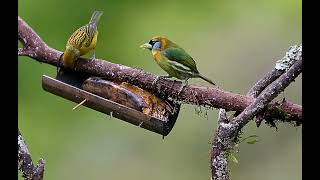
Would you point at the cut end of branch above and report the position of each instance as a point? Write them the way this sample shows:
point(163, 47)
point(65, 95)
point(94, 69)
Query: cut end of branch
point(22, 52)
point(25, 164)
point(39, 170)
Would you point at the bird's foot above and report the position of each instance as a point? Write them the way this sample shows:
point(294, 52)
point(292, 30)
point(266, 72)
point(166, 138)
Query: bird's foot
point(155, 80)
point(59, 63)
point(158, 78)
point(94, 55)
point(74, 65)
point(184, 84)
point(174, 81)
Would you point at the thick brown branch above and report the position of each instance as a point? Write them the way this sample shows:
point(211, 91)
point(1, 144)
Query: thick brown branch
point(212, 97)
point(34, 46)
point(221, 144)
point(25, 164)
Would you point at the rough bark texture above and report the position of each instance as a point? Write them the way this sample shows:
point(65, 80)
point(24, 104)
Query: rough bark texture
point(265, 90)
point(255, 103)
point(25, 164)
point(213, 96)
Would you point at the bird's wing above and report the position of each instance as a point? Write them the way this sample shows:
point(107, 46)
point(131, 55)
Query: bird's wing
point(178, 55)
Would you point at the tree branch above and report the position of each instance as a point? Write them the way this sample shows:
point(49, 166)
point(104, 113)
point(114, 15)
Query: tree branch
point(35, 48)
point(227, 131)
point(25, 164)
point(294, 53)
point(268, 95)
point(222, 142)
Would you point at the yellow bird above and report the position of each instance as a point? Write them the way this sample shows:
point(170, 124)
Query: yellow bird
point(82, 41)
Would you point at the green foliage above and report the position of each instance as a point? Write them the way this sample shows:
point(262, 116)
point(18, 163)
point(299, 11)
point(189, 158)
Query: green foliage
point(232, 157)
point(249, 140)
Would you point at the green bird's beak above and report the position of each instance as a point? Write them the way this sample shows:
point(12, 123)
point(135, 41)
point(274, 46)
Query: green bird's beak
point(146, 46)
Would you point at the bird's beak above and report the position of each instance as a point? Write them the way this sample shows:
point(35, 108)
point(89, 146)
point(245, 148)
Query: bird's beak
point(146, 46)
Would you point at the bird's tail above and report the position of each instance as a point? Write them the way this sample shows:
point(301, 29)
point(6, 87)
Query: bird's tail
point(95, 17)
point(206, 79)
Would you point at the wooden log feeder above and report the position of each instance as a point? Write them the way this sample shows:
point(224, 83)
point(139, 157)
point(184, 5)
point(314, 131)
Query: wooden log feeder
point(117, 99)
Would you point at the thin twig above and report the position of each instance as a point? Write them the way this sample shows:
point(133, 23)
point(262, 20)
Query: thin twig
point(213, 97)
point(74, 108)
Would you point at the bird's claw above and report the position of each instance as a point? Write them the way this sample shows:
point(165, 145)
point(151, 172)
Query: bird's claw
point(94, 55)
point(184, 84)
point(174, 81)
point(59, 63)
point(155, 81)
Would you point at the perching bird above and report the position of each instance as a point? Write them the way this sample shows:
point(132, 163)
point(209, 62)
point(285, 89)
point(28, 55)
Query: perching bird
point(173, 59)
point(82, 41)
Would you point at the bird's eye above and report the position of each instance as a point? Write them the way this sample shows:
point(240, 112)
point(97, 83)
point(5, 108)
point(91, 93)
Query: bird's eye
point(152, 42)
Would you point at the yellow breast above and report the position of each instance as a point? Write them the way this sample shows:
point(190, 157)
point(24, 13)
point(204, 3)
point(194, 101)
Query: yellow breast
point(69, 57)
point(85, 50)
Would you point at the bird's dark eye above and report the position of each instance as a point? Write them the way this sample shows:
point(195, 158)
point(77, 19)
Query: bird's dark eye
point(152, 42)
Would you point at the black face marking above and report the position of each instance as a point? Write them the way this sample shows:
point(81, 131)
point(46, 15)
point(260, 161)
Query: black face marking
point(152, 42)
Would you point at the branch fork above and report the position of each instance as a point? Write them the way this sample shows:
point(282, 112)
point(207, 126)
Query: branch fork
point(256, 103)
point(35, 48)
point(264, 92)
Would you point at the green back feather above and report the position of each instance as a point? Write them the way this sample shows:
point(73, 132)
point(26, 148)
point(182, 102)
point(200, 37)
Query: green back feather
point(177, 54)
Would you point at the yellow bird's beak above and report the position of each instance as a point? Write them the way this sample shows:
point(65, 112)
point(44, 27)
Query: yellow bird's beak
point(146, 46)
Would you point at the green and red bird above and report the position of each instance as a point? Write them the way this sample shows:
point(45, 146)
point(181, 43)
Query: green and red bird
point(173, 59)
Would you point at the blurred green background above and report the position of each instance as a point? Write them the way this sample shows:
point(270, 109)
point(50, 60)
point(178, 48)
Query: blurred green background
point(234, 43)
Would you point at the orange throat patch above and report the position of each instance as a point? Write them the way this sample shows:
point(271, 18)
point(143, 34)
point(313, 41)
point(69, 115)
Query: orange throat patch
point(156, 55)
